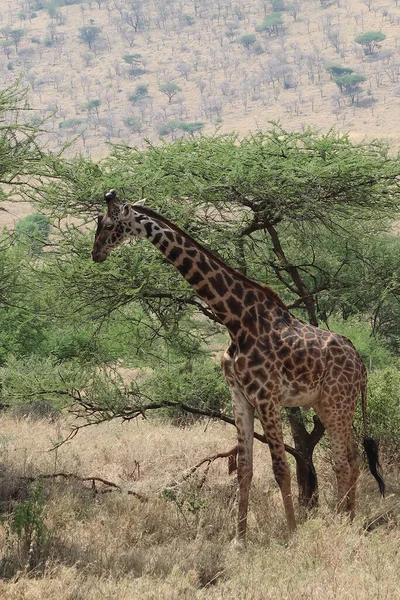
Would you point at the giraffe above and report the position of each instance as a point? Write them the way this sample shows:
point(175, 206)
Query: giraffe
point(273, 358)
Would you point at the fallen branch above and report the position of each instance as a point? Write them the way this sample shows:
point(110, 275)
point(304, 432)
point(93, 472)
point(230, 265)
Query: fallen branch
point(94, 480)
point(230, 454)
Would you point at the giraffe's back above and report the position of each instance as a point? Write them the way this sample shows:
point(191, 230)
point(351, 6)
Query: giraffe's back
point(295, 362)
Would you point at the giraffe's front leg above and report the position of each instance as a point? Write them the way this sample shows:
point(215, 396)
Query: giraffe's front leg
point(244, 421)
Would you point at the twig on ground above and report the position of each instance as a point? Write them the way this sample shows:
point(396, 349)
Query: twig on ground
point(94, 480)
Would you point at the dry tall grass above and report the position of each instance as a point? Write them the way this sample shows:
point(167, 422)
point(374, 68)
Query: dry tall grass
point(177, 545)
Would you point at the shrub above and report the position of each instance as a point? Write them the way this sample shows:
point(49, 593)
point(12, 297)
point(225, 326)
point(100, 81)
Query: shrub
point(198, 383)
point(136, 72)
point(133, 123)
point(69, 123)
point(132, 59)
point(27, 535)
point(278, 5)
point(93, 105)
point(139, 94)
point(337, 70)
point(247, 40)
point(39, 386)
point(272, 23)
point(187, 20)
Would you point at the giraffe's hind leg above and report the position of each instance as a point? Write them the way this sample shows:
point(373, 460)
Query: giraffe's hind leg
point(269, 414)
point(344, 456)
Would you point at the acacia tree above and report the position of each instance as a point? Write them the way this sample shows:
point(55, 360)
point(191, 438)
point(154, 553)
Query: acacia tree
point(348, 83)
point(88, 34)
point(370, 41)
point(267, 203)
point(170, 89)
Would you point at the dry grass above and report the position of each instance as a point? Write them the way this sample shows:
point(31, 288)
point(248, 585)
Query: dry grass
point(177, 545)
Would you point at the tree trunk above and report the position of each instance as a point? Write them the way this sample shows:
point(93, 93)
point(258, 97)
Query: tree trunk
point(305, 443)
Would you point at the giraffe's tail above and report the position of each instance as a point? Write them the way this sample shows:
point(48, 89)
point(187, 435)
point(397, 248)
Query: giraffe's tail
point(370, 445)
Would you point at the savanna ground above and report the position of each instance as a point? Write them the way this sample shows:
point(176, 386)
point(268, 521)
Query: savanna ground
point(221, 82)
point(177, 543)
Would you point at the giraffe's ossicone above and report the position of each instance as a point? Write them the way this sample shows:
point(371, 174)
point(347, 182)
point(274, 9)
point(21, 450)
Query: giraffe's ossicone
point(273, 359)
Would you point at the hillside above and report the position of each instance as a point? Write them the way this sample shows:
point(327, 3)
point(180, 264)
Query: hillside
point(100, 67)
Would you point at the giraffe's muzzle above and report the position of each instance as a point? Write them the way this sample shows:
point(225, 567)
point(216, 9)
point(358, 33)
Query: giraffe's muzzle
point(98, 257)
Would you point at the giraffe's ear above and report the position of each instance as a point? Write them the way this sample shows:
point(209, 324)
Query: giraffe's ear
point(140, 202)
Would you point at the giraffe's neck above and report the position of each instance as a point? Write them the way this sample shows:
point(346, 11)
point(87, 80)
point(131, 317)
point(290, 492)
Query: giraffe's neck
point(226, 292)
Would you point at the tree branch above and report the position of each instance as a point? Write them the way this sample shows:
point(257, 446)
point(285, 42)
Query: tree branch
point(94, 480)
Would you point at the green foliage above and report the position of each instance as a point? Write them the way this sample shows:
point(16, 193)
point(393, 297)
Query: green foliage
point(16, 36)
point(349, 84)
point(39, 386)
point(347, 81)
point(133, 123)
point(136, 72)
point(170, 89)
point(302, 182)
point(198, 382)
point(28, 517)
point(27, 533)
point(187, 497)
point(93, 105)
point(278, 5)
point(247, 40)
point(191, 128)
point(70, 123)
point(370, 40)
point(132, 59)
point(272, 23)
point(172, 126)
point(33, 231)
point(20, 155)
point(371, 347)
point(89, 34)
point(337, 70)
point(383, 408)
point(141, 92)
point(187, 20)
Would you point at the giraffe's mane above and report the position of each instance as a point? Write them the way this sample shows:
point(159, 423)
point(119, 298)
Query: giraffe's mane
point(269, 292)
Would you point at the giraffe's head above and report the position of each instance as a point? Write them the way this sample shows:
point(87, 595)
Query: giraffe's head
point(114, 226)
